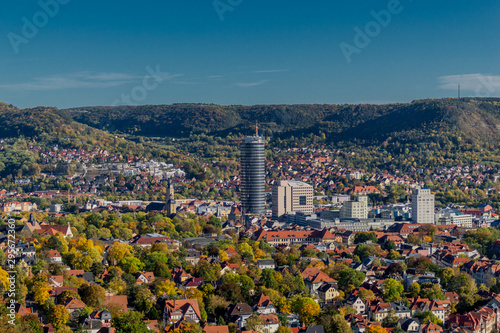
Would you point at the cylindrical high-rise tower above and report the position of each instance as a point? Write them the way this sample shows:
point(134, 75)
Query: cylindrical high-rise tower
point(253, 175)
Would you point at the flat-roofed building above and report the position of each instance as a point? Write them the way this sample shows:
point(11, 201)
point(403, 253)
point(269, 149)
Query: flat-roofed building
point(357, 209)
point(292, 196)
point(422, 206)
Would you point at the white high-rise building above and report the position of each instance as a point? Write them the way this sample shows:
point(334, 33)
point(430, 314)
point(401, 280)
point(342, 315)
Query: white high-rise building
point(357, 209)
point(292, 196)
point(422, 206)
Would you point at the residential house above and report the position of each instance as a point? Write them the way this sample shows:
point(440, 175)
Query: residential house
point(263, 305)
point(239, 313)
point(269, 323)
point(145, 278)
point(73, 304)
point(266, 263)
point(328, 292)
point(410, 325)
point(314, 278)
point(430, 327)
point(356, 303)
point(177, 311)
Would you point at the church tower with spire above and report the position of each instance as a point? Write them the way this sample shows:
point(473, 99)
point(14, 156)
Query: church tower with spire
point(170, 204)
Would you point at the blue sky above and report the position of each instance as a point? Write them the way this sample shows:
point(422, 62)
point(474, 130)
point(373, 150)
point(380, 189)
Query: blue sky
point(246, 52)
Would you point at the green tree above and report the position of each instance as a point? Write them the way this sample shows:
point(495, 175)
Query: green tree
point(131, 265)
point(414, 289)
point(428, 316)
point(362, 237)
point(350, 276)
point(363, 251)
point(334, 323)
point(130, 322)
point(393, 290)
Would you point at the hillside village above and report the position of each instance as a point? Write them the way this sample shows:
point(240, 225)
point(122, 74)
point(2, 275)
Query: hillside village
point(103, 243)
point(257, 276)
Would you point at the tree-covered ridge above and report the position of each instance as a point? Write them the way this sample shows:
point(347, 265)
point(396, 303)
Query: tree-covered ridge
point(474, 116)
point(43, 127)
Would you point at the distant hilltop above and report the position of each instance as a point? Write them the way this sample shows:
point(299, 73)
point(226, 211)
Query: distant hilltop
point(478, 117)
point(472, 118)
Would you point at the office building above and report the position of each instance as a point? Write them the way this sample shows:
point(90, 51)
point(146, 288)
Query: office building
point(292, 196)
point(422, 206)
point(253, 175)
point(447, 216)
point(356, 209)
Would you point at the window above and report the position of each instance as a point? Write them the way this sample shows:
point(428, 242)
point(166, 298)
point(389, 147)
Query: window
point(302, 200)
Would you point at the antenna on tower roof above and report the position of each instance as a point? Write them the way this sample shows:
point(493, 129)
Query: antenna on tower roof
point(458, 95)
point(256, 128)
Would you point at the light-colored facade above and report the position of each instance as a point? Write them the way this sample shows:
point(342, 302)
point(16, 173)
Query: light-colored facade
point(292, 196)
point(357, 209)
point(422, 206)
point(455, 217)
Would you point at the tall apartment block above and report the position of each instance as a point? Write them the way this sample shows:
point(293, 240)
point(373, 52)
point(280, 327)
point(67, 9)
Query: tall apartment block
point(292, 196)
point(422, 206)
point(253, 175)
point(357, 209)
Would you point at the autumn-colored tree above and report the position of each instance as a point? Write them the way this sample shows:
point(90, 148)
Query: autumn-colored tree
point(29, 324)
point(193, 293)
point(92, 294)
point(39, 286)
point(335, 323)
point(68, 294)
point(115, 309)
point(4, 276)
point(58, 315)
point(189, 328)
point(308, 313)
point(414, 289)
point(366, 294)
point(252, 322)
point(375, 329)
point(245, 251)
point(215, 301)
point(298, 302)
point(166, 287)
point(117, 285)
point(118, 251)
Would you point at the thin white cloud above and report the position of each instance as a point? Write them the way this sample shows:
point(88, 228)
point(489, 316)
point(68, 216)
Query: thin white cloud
point(215, 76)
point(80, 80)
point(480, 84)
point(271, 71)
point(251, 84)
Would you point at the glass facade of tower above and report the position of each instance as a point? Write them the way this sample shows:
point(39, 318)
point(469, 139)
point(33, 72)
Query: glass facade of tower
point(253, 175)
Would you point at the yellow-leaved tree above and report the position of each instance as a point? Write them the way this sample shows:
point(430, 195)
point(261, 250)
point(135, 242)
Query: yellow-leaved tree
point(166, 287)
point(376, 329)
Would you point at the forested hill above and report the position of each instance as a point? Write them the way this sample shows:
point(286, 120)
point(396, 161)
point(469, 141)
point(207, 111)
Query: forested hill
point(45, 126)
point(478, 117)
